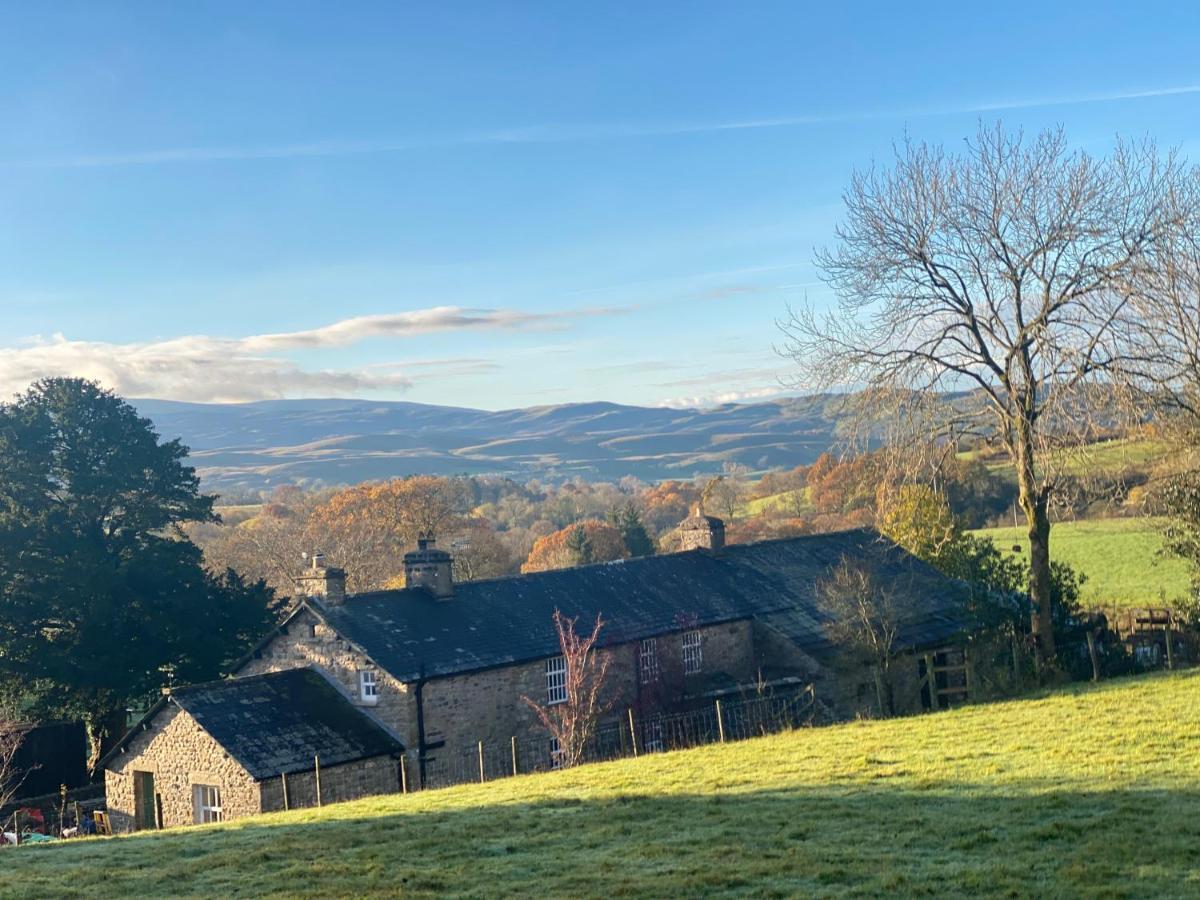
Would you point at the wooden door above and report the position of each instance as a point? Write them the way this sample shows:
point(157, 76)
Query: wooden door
point(143, 801)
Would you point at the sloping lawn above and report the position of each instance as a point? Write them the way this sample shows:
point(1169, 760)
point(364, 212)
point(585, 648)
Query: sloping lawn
point(1090, 791)
point(1119, 556)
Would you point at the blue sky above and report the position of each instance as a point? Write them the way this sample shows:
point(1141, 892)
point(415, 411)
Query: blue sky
point(493, 205)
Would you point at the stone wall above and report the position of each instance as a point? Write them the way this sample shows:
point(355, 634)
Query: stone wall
point(179, 754)
point(349, 781)
point(487, 706)
point(310, 642)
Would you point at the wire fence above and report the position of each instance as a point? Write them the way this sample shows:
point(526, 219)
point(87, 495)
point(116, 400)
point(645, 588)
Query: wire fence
point(629, 735)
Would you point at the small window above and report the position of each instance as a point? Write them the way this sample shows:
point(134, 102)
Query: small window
point(556, 680)
point(652, 742)
point(206, 803)
point(693, 652)
point(556, 754)
point(368, 686)
point(648, 660)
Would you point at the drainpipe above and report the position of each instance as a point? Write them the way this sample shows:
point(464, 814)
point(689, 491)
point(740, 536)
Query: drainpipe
point(421, 747)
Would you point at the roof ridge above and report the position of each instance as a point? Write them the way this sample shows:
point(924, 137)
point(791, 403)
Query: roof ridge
point(234, 678)
point(628, 560)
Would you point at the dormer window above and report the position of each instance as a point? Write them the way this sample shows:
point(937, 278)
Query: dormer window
point(368, 686)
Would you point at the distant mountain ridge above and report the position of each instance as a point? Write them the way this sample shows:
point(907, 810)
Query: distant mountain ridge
point(251, 446)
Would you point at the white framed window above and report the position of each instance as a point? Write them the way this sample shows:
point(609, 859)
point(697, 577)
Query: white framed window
point(556, 754)
point(653, 740)
point(556, 680)
point(648, 661)
point(368, 686)
point(693, 652)
point(206, 803)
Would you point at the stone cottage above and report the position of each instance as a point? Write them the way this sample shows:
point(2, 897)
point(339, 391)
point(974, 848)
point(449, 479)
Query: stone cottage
point(441, 667)
point(218, 751)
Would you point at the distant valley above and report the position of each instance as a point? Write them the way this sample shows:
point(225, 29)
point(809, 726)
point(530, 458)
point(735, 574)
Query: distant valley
point(248, 447)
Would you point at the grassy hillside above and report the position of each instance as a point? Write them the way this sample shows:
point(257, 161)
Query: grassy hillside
point(1093, 791)
point(1119, 556)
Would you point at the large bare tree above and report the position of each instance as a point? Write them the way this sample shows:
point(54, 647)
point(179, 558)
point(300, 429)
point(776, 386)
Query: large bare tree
point(1011, 272)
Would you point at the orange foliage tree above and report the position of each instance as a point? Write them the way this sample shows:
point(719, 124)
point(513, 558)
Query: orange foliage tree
point(584, 542)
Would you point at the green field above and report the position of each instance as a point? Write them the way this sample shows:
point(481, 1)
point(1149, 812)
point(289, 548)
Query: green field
point(1090, 791)
point(1104, 457)
point(774, 503)
point(1119, 556)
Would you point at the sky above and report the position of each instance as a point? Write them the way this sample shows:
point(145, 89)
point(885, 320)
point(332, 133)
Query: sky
point(495, 205)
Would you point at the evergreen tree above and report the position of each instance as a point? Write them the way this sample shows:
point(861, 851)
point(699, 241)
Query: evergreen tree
point(580, 545)
point(103, 601)
point(627, 519)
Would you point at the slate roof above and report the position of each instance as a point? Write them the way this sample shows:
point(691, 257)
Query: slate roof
point(503, 621)
point(278, 722)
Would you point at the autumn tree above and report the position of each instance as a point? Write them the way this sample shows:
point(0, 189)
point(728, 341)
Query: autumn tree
point(1013, 271)
point(572, 722)
point(367, 528)
point(584, 542)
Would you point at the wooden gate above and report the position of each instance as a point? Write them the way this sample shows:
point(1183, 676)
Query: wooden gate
point(945, 678)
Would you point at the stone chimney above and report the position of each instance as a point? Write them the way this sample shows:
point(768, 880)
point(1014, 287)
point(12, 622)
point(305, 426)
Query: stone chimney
point(429, 567)
point(701, 532)
point(322, 582)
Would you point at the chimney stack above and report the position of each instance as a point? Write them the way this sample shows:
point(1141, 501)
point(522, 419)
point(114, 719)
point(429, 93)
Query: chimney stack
point(321, 582)
point(429, 567)
point(701, 532)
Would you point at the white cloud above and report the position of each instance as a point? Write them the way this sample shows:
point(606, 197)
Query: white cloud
point(554, 133)
point(225, 370)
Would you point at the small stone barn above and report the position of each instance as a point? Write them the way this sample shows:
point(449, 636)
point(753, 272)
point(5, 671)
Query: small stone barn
point(219, 751)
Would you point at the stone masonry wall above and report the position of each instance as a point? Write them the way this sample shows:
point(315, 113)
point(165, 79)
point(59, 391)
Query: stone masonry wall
point(487, 706)
point(179, 754)
point(310, 642)
point(349, 781)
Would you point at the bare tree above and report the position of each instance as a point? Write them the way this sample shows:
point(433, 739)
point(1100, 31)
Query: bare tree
point(1012, 273)
point(572, 723)
point(12, 735)
point(865, 621)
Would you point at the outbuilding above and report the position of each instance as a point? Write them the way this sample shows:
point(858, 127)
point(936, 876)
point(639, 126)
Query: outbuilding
point(226, 749)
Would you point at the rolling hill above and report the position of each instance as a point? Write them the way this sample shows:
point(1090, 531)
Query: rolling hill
point(256, 445)
point(1090, 791)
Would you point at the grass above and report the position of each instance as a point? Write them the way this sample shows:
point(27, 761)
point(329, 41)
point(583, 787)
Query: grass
point(1090, 791)
point(1113, 457)
point(782, 502)
point(1119, 556)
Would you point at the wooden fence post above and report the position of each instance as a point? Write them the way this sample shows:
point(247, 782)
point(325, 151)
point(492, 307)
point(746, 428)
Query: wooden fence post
point(930, 681)
point(632, 732)
point(283, 780)
point(481, 778)
point(404, 773)
point(514, 754)
point(1170, 649)
point(158, 812)
point(970, 674)
point(317, 775)
point(720, 723)
point(1091, 639)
